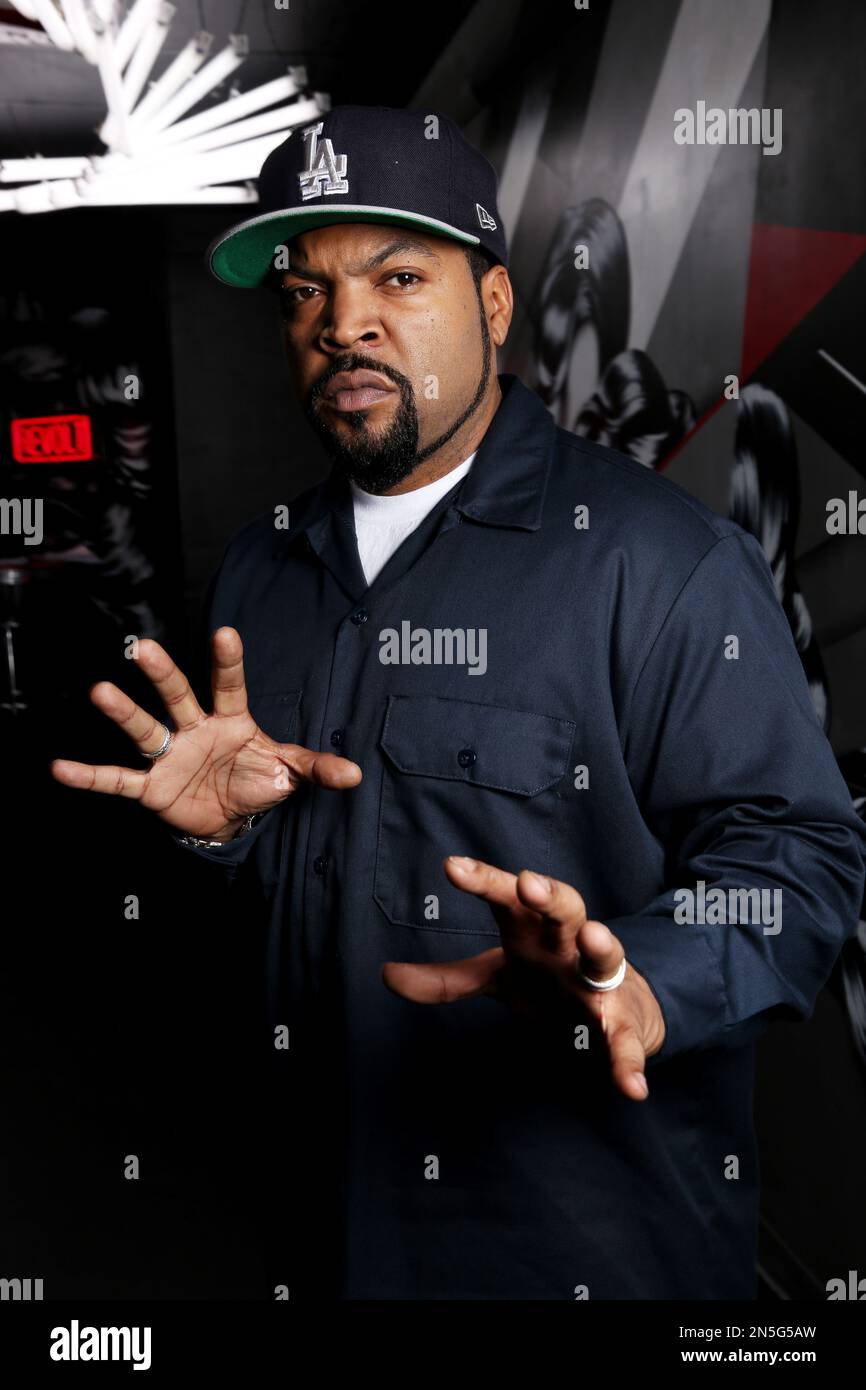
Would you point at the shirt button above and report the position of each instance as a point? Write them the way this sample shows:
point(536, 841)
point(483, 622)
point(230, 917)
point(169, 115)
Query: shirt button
point(360, 616)
point(338, 737)
point(320, 864)
point(466, 757)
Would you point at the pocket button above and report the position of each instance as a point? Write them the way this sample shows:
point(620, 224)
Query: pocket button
point(466, 757)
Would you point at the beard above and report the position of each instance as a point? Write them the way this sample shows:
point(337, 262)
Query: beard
point(378, 460)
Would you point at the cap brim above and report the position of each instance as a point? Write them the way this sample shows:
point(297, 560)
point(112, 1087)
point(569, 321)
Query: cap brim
point(244, 255)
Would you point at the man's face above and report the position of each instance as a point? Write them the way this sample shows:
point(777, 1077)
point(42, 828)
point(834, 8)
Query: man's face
point(363, 297)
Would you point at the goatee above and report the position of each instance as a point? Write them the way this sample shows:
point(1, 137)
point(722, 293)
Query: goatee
point(377, 460)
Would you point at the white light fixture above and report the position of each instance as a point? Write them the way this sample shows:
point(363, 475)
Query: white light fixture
point(204, 81)
point(230, 135)
point(49, 17)
point(79, 26)
point(145, 55)
point(20, 170)
point(27, 8)
point(176, 74)
point(138, 20)
point(152, 155)
point(239, 105)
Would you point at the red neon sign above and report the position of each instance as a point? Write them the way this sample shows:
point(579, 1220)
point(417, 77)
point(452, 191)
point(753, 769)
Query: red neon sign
point(52, 439)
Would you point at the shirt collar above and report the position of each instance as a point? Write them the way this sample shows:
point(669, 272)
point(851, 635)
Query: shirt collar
point(507, 481)
point(506, 484)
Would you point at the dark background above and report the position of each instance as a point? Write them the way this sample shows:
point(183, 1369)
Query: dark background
point(143, 1036)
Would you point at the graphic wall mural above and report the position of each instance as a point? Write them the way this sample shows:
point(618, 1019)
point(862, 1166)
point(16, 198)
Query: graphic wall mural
point(682, 191)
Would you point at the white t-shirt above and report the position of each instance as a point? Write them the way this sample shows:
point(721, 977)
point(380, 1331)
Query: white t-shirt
point(383, 523)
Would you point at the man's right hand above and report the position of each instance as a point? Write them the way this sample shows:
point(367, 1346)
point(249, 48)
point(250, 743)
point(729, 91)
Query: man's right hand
point(219, 767)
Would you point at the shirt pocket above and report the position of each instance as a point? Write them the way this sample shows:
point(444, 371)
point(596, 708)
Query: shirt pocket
point(460, 777)
point(276, 712)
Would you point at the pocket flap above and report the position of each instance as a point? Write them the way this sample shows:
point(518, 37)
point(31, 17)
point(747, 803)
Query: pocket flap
point(511, 750)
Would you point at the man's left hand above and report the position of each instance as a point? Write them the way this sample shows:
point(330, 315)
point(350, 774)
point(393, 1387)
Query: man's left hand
point(545, 936)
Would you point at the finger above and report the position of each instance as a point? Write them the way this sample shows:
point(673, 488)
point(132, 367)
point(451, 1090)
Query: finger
point(516, 925)
point(627, 1058)
point(116, 781)
point(446, 982)
point(562, 909)
point(228, 683)
point(600, 952)
point(530, 918)
point(146, 732)
point(321, 769)
point(171, 684)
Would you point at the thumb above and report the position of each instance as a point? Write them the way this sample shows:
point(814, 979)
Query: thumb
point(600, 951)
point(447, 981)
point(321, 769)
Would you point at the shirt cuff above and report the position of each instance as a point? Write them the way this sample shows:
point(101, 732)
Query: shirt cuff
point(680, 966)
point(231, 852)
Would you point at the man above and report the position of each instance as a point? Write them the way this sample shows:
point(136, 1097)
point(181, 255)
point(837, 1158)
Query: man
point(511, 728)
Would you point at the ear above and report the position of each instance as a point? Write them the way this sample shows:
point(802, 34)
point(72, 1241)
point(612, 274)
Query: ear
point(498, 297)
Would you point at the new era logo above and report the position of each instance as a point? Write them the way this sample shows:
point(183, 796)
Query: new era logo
point(484, 218)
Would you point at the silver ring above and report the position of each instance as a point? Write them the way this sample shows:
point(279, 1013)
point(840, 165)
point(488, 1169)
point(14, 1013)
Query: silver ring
point(612, 983)
point(163, 747)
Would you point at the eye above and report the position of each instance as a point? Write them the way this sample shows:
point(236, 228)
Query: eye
point(404, 274)
point(287, 293)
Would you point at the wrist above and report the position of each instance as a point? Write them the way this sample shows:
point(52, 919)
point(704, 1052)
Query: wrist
point(232, 830)
point(229, 830)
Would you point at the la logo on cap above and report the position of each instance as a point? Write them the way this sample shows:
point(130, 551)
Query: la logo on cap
point(325, 171)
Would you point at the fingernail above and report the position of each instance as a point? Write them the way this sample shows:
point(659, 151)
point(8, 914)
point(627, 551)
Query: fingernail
point(641, 1080)
point(463, 862)
point(544, 884)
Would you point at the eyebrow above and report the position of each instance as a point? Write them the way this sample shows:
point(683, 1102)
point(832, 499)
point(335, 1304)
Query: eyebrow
point(393, 248)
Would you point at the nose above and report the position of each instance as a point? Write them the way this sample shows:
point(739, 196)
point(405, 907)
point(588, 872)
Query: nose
point(351, 320)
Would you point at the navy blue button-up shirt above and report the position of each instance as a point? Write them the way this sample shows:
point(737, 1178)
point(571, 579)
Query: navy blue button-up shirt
point(571, 666)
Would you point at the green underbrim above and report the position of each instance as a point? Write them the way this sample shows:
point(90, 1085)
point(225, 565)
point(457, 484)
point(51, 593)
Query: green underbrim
point(244, 256)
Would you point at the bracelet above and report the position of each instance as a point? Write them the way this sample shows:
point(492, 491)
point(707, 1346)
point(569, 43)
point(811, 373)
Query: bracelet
point(246, 827)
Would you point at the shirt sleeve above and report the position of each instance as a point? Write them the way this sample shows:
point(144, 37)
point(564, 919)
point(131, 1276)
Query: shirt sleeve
point(230, 854)
point(735, 777)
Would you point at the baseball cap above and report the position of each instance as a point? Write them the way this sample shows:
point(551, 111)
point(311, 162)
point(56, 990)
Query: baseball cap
point(365, 164)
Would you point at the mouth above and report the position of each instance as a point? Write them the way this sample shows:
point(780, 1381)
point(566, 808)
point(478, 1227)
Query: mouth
point(357, 390)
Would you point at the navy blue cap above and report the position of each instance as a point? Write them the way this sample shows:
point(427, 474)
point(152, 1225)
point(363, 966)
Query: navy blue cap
point(365, 164)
